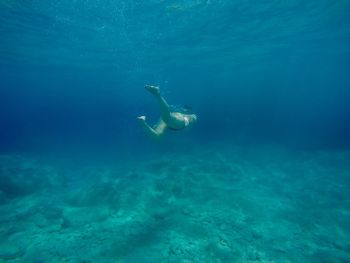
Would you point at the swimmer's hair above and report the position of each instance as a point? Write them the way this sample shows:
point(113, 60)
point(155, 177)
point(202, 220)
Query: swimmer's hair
point(187, 109)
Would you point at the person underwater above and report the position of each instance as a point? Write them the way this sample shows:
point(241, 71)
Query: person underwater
point(171, 120)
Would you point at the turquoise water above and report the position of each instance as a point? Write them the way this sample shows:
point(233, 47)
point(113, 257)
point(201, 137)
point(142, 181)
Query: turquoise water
point(262, 176)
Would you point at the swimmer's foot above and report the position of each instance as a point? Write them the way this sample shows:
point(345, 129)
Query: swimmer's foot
point(153, 89)
point(141, 118)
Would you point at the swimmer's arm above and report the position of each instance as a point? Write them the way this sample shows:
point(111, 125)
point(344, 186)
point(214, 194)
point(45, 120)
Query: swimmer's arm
point(155, 132)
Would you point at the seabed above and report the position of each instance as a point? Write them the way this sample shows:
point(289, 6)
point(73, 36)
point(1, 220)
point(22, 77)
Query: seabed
point(214, 205)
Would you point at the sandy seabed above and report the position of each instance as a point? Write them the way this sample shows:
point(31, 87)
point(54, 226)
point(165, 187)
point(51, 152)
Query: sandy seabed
point(214, 205)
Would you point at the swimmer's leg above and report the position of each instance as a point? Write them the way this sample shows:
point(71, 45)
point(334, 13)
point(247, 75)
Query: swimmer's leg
point(154, 132)
point(164, 106)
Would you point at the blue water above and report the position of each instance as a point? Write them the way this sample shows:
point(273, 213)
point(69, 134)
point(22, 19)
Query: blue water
point(262, 176)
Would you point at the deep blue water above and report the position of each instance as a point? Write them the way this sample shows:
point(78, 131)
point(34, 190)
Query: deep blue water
point(267, 69)
point(270, 83)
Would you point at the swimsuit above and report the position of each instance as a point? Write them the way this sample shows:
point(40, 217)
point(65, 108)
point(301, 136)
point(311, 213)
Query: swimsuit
point(187, 122)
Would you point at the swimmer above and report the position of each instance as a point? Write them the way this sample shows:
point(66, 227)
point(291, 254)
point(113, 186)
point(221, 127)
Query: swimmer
point(175, 121)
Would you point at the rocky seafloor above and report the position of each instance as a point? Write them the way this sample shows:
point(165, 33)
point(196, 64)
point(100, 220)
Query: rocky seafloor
point(213, 205)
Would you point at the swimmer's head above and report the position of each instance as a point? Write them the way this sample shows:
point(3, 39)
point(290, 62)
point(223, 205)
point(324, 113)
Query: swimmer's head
point(192, 118)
